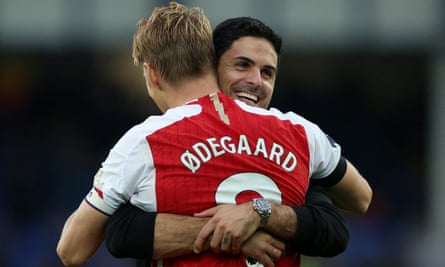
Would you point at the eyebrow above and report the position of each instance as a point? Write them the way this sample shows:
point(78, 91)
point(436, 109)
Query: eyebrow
point(270, 67)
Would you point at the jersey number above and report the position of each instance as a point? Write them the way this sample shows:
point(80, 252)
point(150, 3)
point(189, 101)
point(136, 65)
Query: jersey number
point(229, 189)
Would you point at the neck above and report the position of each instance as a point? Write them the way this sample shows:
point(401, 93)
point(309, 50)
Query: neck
point(191, 89)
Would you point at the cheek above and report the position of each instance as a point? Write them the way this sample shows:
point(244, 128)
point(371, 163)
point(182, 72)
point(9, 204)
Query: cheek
point(226, 81)
point(223, 85)
point(268, 89)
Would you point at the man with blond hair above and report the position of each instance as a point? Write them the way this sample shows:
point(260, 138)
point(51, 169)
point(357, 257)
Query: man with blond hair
point(190, 158)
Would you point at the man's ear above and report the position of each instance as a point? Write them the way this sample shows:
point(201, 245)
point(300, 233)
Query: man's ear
point(151, 75)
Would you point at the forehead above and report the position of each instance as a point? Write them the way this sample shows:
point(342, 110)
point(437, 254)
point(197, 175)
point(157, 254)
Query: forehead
point(257, 49)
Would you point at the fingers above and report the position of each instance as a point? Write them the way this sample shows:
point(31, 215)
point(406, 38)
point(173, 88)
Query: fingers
point(228, 226)
point(278, 244)
point(263, 259)
point(276, 254)
point(206, 231)
point(226, 244)
point(236, 245)
point(270, 258)
point(202, 237)
point(218, 241)
point(206, 213)
point(265, 248)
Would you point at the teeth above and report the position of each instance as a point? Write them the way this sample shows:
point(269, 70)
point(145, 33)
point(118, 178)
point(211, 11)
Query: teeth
point(248, 96)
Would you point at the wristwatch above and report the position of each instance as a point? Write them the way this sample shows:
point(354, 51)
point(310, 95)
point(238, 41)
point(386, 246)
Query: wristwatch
point(264, 209)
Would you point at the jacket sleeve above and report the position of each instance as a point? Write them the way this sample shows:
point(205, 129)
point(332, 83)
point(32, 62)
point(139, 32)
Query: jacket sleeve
point(321, 230)
point(129, 233)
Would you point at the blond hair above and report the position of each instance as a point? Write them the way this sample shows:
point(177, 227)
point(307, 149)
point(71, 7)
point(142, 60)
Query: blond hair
point(176, 41)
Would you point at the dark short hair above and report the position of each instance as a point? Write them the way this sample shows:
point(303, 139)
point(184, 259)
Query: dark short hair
point(232, 29)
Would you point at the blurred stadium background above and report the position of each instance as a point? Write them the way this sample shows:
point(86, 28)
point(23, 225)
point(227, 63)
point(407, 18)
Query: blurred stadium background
point(371, 73)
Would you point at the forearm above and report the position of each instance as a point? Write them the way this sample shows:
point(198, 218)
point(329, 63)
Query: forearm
point(352, 193)
point(348, 188)
point(81, 236)
point(282, 222)
point(315, 229)
point(64, 251)
point(175, 235)
point(133, 233)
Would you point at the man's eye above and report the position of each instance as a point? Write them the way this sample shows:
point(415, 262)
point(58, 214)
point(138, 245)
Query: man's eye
point(268, 73)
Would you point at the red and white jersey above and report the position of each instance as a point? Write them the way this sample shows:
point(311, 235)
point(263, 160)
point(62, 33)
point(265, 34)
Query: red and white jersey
point(210, 151)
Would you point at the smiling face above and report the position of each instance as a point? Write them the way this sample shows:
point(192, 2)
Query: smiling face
point(247, 71)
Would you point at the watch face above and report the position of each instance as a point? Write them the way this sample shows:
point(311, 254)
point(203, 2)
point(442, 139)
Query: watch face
point(262, 205)
point(263, 208)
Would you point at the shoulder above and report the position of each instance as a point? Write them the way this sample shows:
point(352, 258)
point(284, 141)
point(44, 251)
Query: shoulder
point(291, 117)
point(156, 122)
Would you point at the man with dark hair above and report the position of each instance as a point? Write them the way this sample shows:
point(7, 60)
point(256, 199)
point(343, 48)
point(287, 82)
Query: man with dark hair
point(247, 54)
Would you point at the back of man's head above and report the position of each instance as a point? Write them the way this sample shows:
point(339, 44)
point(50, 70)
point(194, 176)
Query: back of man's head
point(232, 29)
point(176, 41)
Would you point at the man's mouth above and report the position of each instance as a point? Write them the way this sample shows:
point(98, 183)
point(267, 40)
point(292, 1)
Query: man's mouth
point(246, 96)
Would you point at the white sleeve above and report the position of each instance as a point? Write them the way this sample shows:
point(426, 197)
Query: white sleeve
point(121, 174)
point(325, 153)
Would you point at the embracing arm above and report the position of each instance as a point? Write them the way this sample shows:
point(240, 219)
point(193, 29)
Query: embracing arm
point(348, 188)
point(321, 230)
point(81, 236)
point(315, 229)
point(353, 192)
point(133, 233)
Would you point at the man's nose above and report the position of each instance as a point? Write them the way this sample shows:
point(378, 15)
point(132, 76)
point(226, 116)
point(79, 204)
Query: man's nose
point(254, 78)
